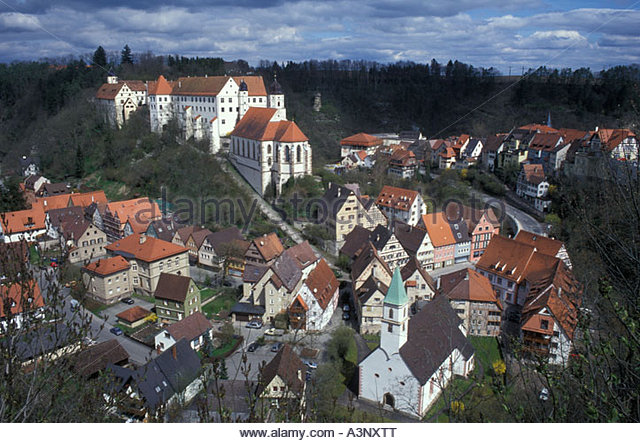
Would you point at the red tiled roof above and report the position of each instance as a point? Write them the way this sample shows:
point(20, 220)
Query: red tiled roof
point(257, 124)
point(24, 296)
point(269, 246)
point(191, 327)
point(539, 128)
point(23, 221)
point(470, 285)
point(255, 85)
point(133, 314)
point(533, 173)
point(108, 266)
point(544, 244)
point(396, 198)
point(160, 87)
point(361, 139)
point(145, 248)
point(323, 283)
point(439, 229)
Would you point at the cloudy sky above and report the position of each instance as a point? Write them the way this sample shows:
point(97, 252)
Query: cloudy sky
point(498, 33)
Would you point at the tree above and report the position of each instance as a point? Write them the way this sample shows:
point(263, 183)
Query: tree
point(126, 57)
point(100, 57)
point(327, 387)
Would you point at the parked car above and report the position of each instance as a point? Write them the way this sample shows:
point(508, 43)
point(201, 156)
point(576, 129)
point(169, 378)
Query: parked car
point(274, 331)
point(310, 364)
point(116, 331)
point(88, 341)
point(276, 347)
point(346, 316)
point(254, 324)
point(128, 300)
point(75, 304)
point(252, 347)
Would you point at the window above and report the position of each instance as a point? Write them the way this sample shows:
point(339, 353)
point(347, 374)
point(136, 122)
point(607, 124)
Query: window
point(544, 324)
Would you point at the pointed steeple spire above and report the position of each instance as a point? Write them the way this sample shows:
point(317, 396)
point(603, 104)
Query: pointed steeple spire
point(396, 295)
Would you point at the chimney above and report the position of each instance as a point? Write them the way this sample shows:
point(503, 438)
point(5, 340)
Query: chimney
point(143, 238)
point(174, 353)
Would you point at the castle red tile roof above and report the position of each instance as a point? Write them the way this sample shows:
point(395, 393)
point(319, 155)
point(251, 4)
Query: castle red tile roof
point(269, 246)
point(539, 128)
point(160, 87)
point(257, 124)
point(544, 244)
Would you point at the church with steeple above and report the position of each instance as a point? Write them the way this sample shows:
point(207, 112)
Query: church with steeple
point(418, 355)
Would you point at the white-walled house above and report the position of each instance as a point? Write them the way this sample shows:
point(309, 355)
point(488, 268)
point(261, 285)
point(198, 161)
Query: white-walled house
point(195, 329)
point(533, 186)
point(417, 357)
point(119, 98)
point(401, 204)
point(26, 225)
point(316, 300)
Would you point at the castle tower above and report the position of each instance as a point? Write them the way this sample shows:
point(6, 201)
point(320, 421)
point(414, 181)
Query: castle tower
point(276, 98)
point(243, 99)
point(395, 316)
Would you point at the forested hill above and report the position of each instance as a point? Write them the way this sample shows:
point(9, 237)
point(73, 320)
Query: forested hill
point(46, 108)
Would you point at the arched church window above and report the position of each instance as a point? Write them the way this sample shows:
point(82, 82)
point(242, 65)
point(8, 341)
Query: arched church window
point(287, 154)
point(269, 149)
point(391, 314)
point(298, 154)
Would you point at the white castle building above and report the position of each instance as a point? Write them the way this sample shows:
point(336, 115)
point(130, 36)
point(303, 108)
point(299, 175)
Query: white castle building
point(210, 107)
point(119, 98)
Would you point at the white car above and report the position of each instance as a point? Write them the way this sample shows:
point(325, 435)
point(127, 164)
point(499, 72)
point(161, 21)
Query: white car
point(274, 331)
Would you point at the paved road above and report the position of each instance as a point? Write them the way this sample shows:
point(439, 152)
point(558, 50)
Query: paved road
point(521, 218)
point(99, 328)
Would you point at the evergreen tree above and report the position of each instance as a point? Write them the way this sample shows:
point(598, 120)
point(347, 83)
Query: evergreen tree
point(100, 57)
point(126, 58)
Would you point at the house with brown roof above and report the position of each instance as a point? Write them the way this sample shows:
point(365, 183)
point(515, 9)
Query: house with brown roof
point(149, 257)
point(95, 359)
point(402, 164)
point(545, 245)
point(418, 355)
point(369, 263)
point(442, 237)
point(83, 240)
point(21, 302)
point(550, 314)
point(316, 300)
point(195, 328)
point(360, 142)
point(108, 280)
point(401, 204)
point(264, 250)
point(133, 317)
point(474, 300)
point(177, 297)
point(304, 257)
point(492, 148)
point(416, 242)
point(216, 247)
point(268, 150)
point(417, 282)
point(119, 98)
point(282, 380)
point(367, 303)
point(533, 186)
